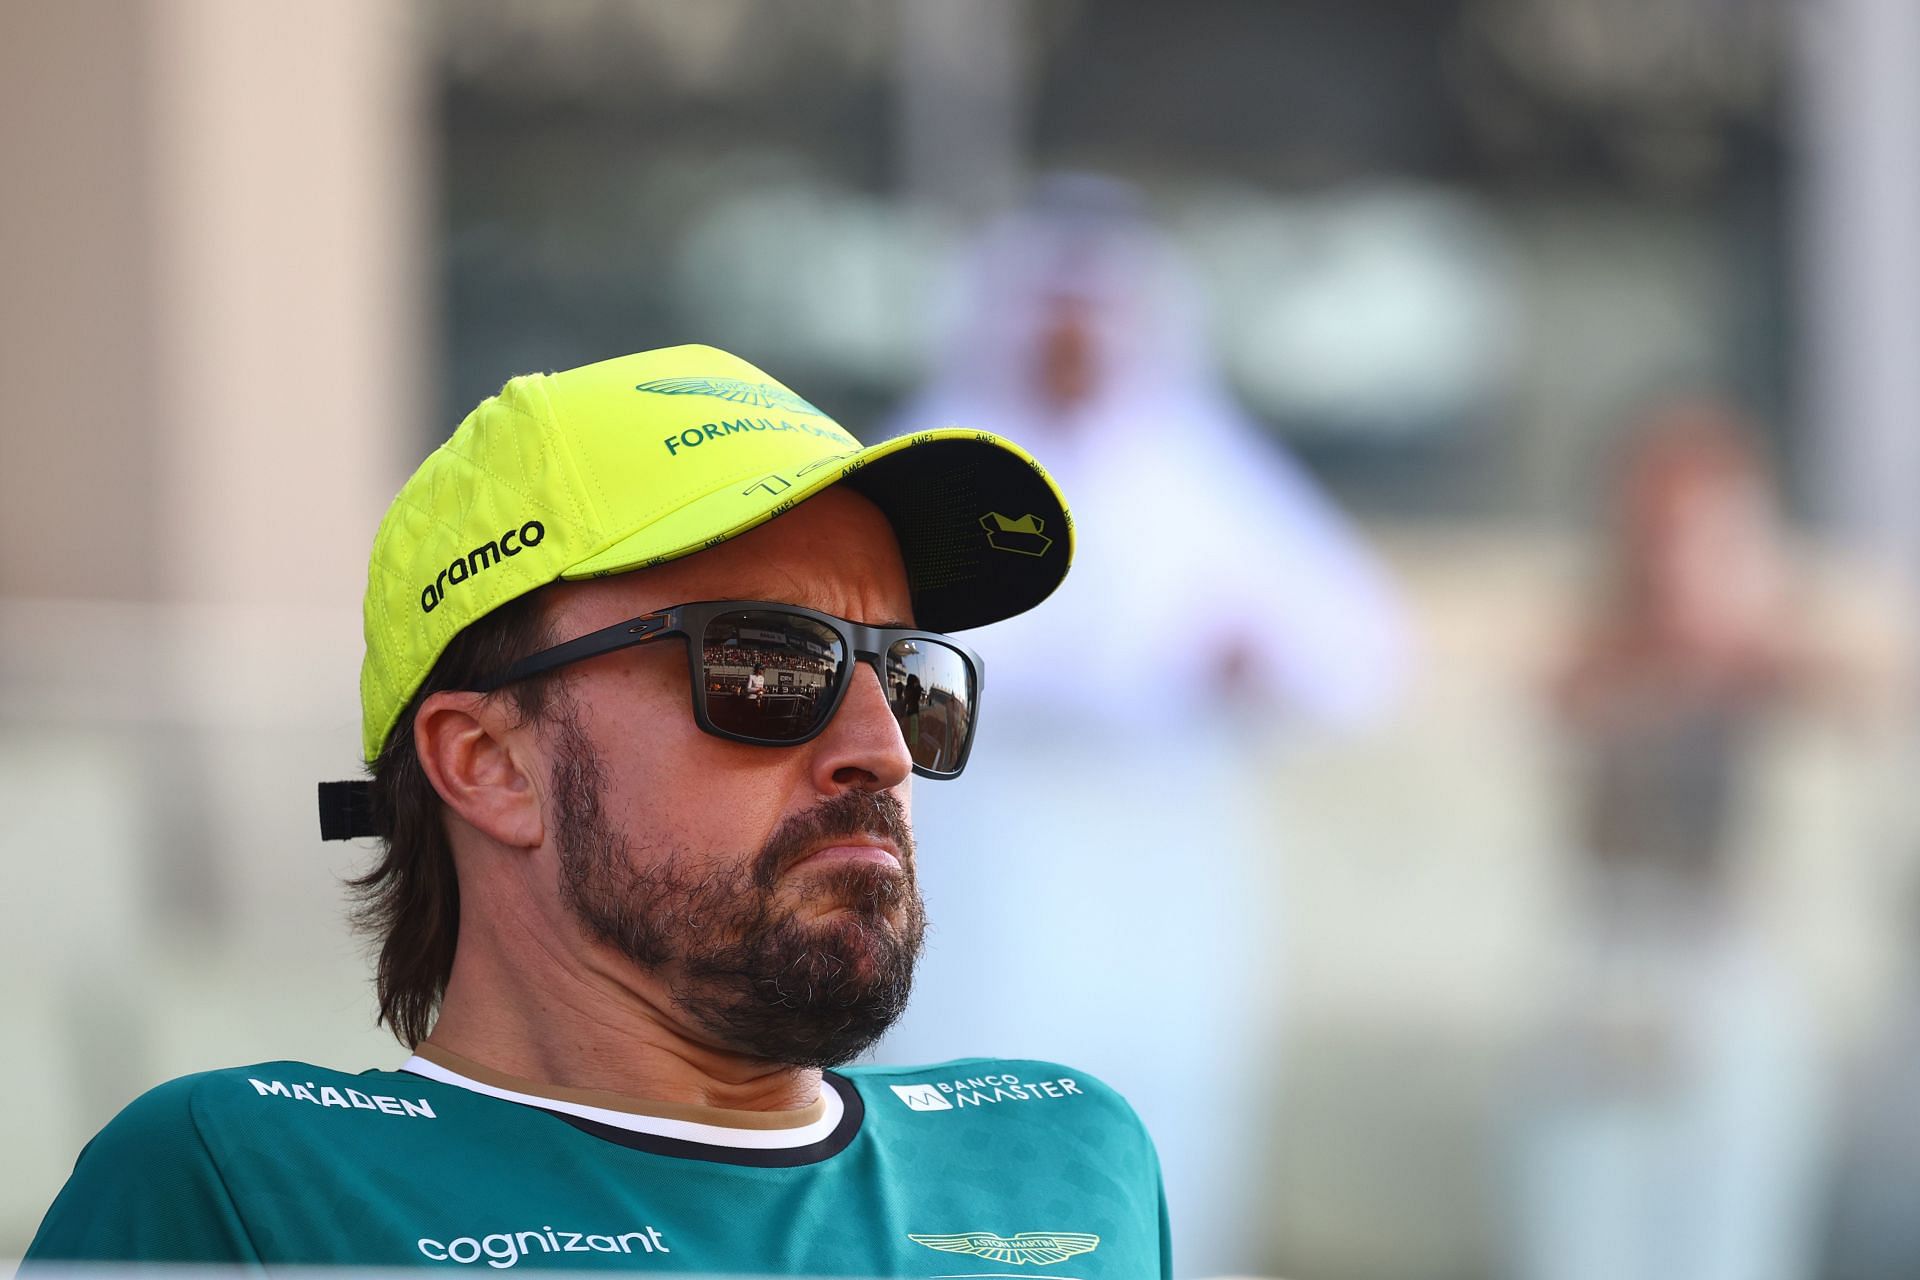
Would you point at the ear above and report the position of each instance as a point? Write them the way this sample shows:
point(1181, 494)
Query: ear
point(480, 766)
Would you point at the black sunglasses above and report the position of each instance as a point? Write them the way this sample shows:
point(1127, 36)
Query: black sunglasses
point(774, 674)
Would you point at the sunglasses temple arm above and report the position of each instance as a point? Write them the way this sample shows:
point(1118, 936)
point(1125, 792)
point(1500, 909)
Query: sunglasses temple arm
point(621, 635)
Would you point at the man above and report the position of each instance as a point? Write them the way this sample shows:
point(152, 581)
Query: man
point(630, 930)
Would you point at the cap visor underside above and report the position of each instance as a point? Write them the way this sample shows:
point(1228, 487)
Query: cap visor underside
point(984, 531)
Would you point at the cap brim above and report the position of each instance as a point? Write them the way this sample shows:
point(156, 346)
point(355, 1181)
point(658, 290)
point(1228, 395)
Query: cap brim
point(984, 531)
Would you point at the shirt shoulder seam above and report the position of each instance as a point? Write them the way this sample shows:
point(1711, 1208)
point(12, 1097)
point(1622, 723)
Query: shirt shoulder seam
point(219, 1172)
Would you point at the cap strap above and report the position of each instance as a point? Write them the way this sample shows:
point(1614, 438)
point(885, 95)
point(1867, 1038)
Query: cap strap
point(346, 810)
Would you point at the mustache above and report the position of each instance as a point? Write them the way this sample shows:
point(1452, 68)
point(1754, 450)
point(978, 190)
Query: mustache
point(849, 814)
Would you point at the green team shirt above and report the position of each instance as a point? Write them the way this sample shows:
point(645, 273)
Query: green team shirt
point(974, 1167)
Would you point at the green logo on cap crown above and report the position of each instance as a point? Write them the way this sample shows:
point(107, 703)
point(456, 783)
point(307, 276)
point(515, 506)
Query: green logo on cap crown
point(763, 394)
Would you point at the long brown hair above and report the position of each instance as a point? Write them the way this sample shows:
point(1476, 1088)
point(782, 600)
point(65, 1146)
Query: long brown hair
point(410, 900)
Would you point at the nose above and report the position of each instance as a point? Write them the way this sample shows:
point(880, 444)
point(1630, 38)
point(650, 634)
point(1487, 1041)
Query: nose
point(862, 747)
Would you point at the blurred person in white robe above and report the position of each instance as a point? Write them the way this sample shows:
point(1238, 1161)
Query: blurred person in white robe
point(1077, 331)
point(1219, 606)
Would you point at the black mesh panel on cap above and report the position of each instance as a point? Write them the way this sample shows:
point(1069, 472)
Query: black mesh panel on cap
point(964, 569)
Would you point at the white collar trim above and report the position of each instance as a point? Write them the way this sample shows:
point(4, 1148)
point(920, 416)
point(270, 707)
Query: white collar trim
point(713, 1135)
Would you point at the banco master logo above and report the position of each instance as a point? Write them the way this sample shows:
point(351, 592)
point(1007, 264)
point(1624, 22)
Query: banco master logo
point(764, 394)
point(1038, 1248)
point(921, 1097)
point(983, 1091)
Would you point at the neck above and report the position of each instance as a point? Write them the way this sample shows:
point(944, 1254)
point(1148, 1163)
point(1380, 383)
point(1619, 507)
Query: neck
point(595, 1022)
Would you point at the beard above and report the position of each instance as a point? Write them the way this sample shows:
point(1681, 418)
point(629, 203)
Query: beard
point(776, 981)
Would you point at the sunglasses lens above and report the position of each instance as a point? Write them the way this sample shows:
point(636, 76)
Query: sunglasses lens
point(932, 691)
point(769, 675)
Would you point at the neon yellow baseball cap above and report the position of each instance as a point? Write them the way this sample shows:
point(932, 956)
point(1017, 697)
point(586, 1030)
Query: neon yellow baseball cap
point(646, 458)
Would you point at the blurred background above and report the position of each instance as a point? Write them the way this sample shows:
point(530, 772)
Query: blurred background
point(1498, 857)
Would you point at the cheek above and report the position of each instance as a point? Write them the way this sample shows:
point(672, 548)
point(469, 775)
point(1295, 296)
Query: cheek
point(676, 790)
point(636, 716)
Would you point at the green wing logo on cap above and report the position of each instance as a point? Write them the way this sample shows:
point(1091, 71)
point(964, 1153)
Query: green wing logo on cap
point(1042, 1248)
point(1023, 537)
point(765, 395)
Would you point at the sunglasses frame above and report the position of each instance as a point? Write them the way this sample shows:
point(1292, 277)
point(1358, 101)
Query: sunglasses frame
point(861, 642)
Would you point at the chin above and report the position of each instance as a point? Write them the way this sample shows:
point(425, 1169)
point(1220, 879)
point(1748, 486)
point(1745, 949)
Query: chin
point(823, 979)
point(854, 934)
point(859, 889)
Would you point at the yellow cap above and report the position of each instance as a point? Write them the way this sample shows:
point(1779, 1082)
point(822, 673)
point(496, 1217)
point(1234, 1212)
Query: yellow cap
point(634, 461)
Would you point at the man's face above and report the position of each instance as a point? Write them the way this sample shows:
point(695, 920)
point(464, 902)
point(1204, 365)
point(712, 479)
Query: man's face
point(771, 888)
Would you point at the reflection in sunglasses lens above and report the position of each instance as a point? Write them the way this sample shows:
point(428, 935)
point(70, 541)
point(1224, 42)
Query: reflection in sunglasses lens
point(931, 690)
point(769, 675)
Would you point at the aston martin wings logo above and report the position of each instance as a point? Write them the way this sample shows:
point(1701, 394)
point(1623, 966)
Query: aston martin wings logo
point(1041, 1248)
point(763, 394)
